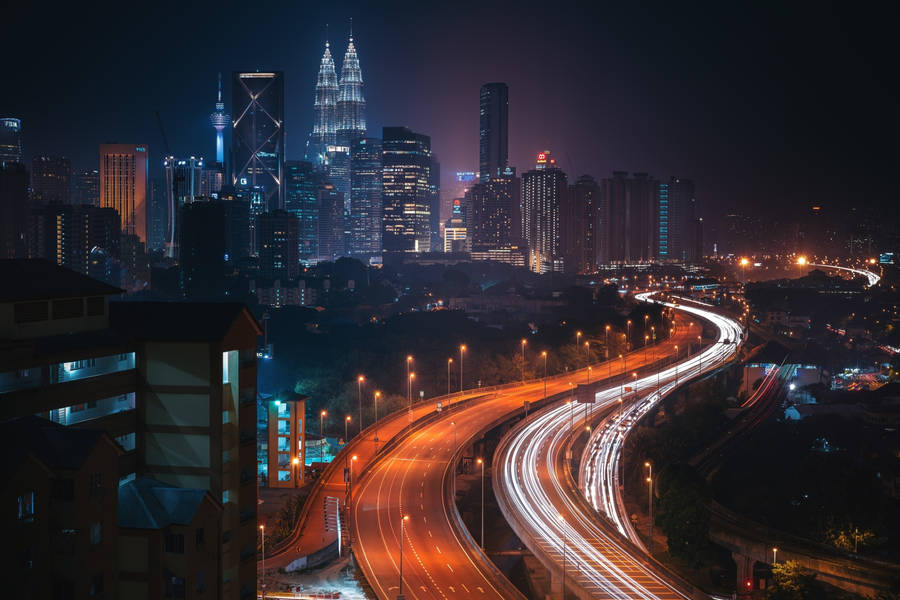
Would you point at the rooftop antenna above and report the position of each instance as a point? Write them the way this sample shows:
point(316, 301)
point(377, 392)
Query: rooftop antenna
point(326, 35)
point(351, 29)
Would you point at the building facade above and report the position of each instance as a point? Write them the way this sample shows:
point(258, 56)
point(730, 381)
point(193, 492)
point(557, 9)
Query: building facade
point(258, 135)
point(11, 141)
point(676, 221)
point(124, 175)
point(406, 169)
point(87, 187)
point(331, 227)
point(491, 208)
point(581, 226)
point(544, 191)
point(493, 130)
point(365, 197)
point(279, 247)
point(324, 131)
point(301, 184)
point(51, 179)
point(629, 206)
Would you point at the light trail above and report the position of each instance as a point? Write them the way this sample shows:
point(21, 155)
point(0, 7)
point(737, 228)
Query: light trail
point(873, 278)
point(533, 492)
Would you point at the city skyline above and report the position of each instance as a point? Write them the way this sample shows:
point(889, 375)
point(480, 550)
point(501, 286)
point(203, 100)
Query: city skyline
point(619, 123)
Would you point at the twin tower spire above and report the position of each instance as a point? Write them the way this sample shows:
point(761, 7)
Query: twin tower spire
point(340, 107)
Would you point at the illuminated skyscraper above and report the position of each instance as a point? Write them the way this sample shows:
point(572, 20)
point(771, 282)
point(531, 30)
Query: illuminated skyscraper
point(11, 141)
point(351, 105)
point(543, 192)
point(183, 179)
point(491, 209)
point(406, 160)
point(324, 131)
point(258, 136)
point(493, 130)
point(87, 187)
point(123, 185)
point(220, 120)
point(676, 220)
point(365, 197)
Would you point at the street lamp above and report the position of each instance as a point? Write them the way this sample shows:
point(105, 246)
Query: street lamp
point(409, 392)
point(744, 263)
point(346, 428)
point(589, 369)
point(606, 341)
point(587, 353)
point(774, 556)
point(350, 500)
point(462, 352)
point(481, 462)
point(449, 362)
point(359, 382)
point(262, 537)
point(544, 354)
point(377, 395)
point(402, 523)
point(296, 463)
point(409, 360)
point(628, 336)
point(524, 342)
point(646, 319)
point(322, 435)
point(650, 503)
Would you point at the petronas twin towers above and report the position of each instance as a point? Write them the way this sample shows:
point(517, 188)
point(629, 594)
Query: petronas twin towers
point(340, 107)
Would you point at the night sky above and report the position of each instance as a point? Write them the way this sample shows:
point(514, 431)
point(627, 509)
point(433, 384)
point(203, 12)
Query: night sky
point(764, 106)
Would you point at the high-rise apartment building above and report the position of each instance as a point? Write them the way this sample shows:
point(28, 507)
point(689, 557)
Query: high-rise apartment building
point(212, 178)
point(124, 172)
point(365, 197)
point(301, 185)
point(324, 131)
point(51, 179)
point(406, 163)
point(491, 207)
point(279, 249)
point(629, 205)
point(83, 238)
point(87, 187)
point(676, 220)
point(11, 141)
point(544, 191)
point(581, 225)
point(493, 130)
point(258, 136)
point(219, 119)
point(174, 384)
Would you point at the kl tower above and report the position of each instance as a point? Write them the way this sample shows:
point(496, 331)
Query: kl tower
point(220, 119)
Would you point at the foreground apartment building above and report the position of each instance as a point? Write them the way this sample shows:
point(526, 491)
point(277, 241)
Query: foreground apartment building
point(173, 388)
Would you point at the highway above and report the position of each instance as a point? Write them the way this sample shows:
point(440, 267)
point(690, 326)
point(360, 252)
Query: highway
point(869, 275)
point(532, 485)
point(415, 480)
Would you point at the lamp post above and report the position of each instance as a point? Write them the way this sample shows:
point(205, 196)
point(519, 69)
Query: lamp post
point(650, 504)
point(587, 353)
point(350, 502)
point(262, 537)
point(449, 362)
point(774, 555)
point(524, 342)
point(744, 263)
point(699, 352)
point(296, 463)
point(462, 353)
point(606, 341)
point(577, 343)
point(346, 428)
point(646, 320)
point(377, 395)
point(544, 354)
point(481, 462)
point(359, 383)
point(646, 346)
point(409, 360)
point(402, 523)
point(409, 393)
point(628, 336)
point(322, 435)
point(589, 369)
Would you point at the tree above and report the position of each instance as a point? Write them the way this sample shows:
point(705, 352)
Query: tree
point(790, 582)
point(683, 512)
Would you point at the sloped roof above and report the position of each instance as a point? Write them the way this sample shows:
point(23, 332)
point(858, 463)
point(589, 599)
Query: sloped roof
point(176, 321)
point(39, 279)
point(55, 445)
point(146, 503)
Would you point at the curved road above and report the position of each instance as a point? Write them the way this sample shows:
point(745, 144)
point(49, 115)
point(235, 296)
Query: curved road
point(440, 560)
point(532, 486)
